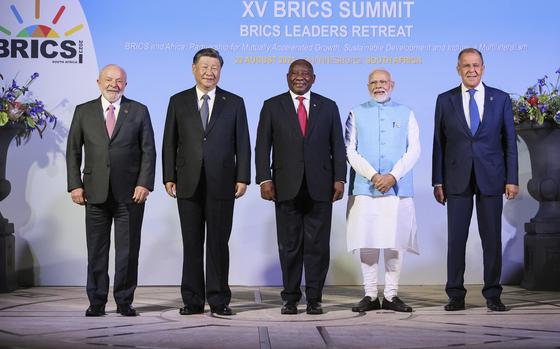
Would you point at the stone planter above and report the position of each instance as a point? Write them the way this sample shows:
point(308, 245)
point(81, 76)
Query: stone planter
point(542, 239)
point(8, 280)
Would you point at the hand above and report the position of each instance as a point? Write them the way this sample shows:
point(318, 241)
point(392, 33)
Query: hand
point(240, 189)
point(338, 191)
point(78, 195)
point(511, 191)
point(171, 189)
point(383, 182)
point(439, 194)
point(267, 191)
point(140, 195)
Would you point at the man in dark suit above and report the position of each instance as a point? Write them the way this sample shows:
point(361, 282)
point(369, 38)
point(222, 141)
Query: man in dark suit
point(304, 133)
point(206, 166)
point(474, 154)
point(116, 136)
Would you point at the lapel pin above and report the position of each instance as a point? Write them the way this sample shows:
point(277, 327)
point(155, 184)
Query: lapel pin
point(491, 98)
point(126, 111)
point(224, 98)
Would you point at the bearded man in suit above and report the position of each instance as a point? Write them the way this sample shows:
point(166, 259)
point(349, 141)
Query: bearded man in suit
point(115, 135)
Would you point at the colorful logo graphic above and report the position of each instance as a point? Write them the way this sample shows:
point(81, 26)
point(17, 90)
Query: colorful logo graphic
point(41, 40)
point(39, 30)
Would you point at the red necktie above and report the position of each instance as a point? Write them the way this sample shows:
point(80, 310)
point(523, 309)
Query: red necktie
point(110, 120)
point(302, 115)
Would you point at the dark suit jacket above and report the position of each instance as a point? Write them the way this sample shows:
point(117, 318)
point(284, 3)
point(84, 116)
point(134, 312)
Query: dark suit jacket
point(492, 151)
point(223, 149)
point(321, 155)
point(125, 161)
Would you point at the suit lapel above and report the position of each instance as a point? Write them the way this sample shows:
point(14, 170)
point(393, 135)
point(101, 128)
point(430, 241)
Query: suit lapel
point(313, 116)
point(192, 107)
point(121, 118)
point(291, 113)
point(488, 106)
point(457, 101)
point(98, 116)
point(219, 102)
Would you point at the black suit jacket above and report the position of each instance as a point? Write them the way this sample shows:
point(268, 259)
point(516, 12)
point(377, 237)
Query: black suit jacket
point(124, 161)
point(492, 151)
point(321, 155)
point(223, 149)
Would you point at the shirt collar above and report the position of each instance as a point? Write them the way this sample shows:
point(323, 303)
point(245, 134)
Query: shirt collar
point(200, 93)
point(479, 88)
point(105, 103)
point(307, 95)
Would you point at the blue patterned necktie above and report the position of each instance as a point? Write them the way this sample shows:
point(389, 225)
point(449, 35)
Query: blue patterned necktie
point(204, 111)
point(473, 111)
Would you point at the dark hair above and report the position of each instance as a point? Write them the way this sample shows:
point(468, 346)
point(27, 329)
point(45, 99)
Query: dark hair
point(208, 52)
point(301, 61)
point(470, 50)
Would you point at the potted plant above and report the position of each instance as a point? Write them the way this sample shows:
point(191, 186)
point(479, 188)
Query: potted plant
point(537, 119)
point(20, 116)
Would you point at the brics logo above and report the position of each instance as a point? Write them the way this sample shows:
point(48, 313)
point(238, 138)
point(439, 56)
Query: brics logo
point(40, 40)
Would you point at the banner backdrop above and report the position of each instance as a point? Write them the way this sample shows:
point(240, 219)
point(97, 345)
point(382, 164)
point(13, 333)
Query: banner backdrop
point(67, 42)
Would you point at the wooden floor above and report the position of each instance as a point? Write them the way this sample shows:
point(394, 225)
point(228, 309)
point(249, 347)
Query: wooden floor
point(53, 317)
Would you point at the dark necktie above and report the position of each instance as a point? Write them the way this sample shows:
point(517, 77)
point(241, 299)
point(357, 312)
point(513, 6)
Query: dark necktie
point(302, 115)
point(473, 111)
point(204, 111)
point(110, 120)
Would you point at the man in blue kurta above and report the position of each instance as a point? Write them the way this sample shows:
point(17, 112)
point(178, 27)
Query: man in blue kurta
point(382, 146)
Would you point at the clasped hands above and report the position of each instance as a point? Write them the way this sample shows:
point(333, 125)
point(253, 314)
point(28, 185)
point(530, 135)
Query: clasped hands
point(383, 182)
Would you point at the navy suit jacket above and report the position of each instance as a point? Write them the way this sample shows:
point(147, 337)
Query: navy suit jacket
point(223, 148)
point(320, 155)
point(122, 162)
point(491, 153)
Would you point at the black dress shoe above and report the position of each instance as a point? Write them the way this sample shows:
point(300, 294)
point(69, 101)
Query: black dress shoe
point(223, 309)
point(314, 308)
point(290, 308)
point(396, 304)
point(126, 310)
point(96, 310)
point(495, 304)
point(455, 304)
point(366, 304)
point(191, 310)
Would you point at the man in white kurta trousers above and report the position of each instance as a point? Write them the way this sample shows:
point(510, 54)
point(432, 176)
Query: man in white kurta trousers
point(382, 146)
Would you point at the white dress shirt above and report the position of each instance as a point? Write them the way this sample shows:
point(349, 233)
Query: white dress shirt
point(478, 97)
point(105, 105)
point(211, 94)
point(307, 96)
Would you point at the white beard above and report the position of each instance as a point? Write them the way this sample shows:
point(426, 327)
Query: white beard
point(381, 98)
